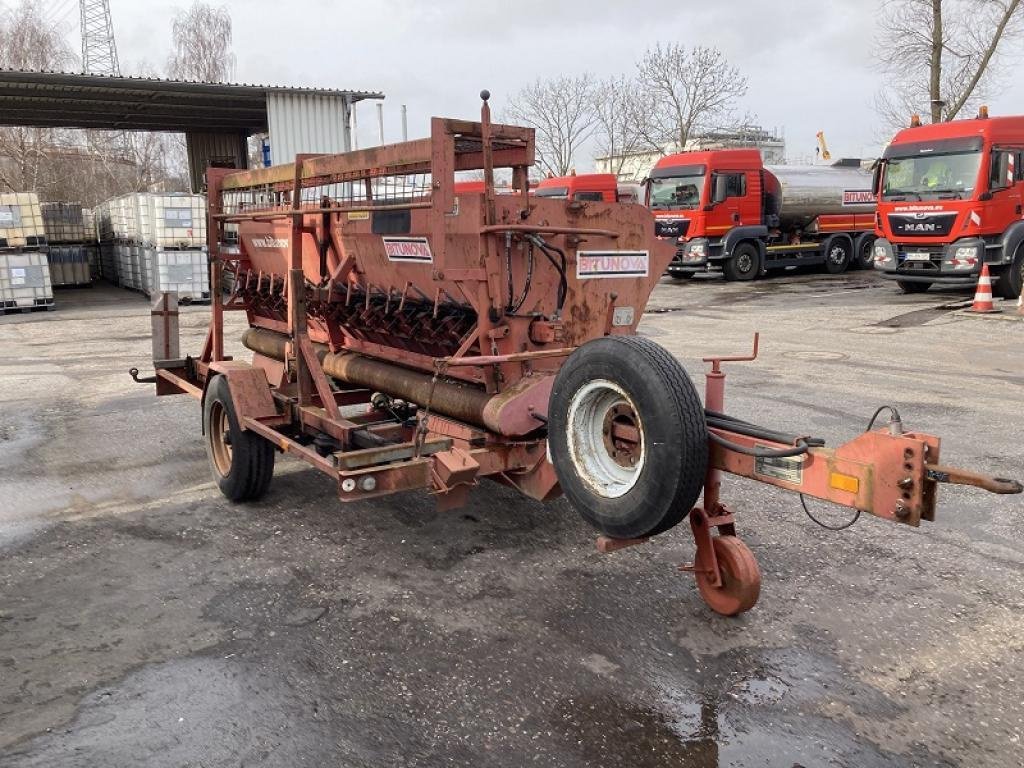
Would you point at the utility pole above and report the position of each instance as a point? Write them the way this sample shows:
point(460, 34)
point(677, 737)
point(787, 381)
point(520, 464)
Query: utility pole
point(99, 51)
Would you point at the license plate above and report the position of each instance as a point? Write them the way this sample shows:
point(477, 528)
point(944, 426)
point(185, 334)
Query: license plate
point(919, 257)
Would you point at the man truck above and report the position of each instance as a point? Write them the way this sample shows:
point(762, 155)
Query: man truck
point(950, 199)
point(728, 212)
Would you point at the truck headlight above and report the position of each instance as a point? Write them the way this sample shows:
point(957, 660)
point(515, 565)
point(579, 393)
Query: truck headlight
point(883, 254)
point(696, 250)
point(963, 257)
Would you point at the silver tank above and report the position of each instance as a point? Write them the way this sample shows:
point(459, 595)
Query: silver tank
point(800, 193)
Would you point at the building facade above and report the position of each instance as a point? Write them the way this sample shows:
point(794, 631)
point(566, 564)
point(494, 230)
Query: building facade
point(634, 166)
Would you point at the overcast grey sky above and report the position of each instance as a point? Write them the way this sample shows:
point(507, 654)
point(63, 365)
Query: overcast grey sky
point(808, 61)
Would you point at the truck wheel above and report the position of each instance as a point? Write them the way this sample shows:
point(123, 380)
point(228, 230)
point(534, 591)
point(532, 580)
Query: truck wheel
point(627, 436)
point(913, 287)
point(864, 252)
point(744, 264)
point(242, 462)
point(1011, 280)
point(838, 253)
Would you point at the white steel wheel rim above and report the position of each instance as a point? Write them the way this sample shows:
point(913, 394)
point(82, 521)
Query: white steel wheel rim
point(585, 434)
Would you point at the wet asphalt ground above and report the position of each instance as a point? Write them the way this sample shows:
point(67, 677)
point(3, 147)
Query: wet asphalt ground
point(144, 620)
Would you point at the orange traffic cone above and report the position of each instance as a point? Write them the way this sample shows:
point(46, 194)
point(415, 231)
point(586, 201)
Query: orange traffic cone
point(983, 296)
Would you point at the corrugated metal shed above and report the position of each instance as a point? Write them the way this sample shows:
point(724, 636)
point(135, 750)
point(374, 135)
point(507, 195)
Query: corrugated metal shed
point(72, 100)
point(217, 118)
point(307, 122)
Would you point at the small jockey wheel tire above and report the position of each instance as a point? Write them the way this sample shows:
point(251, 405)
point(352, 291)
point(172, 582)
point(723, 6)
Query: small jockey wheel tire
point(242, 462)
point(741, 578)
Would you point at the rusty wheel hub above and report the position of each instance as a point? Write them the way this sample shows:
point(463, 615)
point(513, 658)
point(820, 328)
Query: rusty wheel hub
point(605, 437)
point(219, 435)
point(622, 435)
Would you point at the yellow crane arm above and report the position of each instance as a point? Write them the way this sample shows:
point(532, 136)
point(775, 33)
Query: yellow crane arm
point(822, 146)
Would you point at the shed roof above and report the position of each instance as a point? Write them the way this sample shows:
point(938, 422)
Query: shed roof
point(72, 100)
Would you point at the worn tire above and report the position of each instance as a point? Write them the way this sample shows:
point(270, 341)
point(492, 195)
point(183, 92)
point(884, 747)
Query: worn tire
point(864, 252)
point(632, 374)
point(1011, 280)
point(838, 253)
point(244, 470)
point(908, 287)
point(744, 263)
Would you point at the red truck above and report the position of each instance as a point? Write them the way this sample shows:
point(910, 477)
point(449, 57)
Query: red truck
point(950, 198)
point(729, 212)
point(603, 187)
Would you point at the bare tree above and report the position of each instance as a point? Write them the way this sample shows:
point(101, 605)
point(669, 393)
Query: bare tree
point(683, 93)
point(201, 38)
point(28, 42)
point(617, 131)
point(940, 57)
point(562, 112)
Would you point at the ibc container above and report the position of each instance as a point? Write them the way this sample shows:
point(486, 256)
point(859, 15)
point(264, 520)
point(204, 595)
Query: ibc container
point(69, 265)
point(175, 220)
point(183, 270)
point(124, 265)
point(135, 267)
point(25, 280)
point(89, 224)
point(21, 220)
point(63, 222)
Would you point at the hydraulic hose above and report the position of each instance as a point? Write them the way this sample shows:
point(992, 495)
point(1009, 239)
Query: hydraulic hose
point(722, 421)
point(762, 453)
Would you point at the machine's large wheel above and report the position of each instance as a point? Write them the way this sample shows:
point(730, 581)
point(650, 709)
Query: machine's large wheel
point(741, 578)
point(242, 462)
point(627, 436)
point(744, 264)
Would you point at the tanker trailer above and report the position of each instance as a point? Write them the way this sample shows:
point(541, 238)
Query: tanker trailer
point(726, 212)
point(408, 336)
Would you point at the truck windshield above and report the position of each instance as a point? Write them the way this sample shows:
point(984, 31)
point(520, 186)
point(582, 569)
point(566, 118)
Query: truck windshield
point(562, 192)
point(676, 192)
point(929, 177)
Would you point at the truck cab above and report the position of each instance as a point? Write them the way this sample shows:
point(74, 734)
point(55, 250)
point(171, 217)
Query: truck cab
point(585, 186)
point(950, 199)
point(727, 212)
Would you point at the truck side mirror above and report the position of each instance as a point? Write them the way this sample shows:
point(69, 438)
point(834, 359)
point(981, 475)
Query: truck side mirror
point(876, 181)
point(720, 189)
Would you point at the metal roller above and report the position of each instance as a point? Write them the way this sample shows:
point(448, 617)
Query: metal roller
point(446, 397)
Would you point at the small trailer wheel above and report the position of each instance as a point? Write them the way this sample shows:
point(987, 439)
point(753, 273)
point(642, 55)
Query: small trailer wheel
point(741, 578)
point(242, 462)
point(627, 436)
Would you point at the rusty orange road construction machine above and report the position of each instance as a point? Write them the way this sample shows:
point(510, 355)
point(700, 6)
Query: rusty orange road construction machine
point(405, 337)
